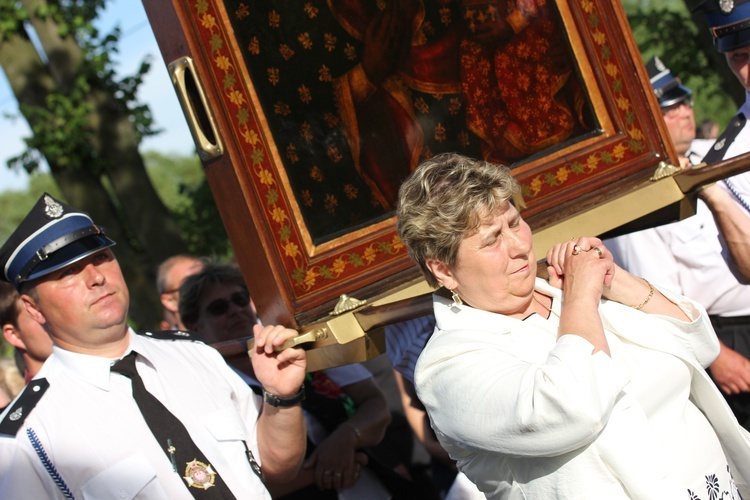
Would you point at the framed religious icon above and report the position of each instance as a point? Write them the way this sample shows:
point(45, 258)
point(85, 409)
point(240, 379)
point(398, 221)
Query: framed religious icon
point(309, 114)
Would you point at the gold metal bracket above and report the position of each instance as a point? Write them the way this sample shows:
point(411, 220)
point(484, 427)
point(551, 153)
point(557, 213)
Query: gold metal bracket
point(346, 304)
point(664, 170)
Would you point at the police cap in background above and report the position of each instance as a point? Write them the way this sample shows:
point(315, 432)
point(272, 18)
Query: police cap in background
point(728, 21)
point(668, 89)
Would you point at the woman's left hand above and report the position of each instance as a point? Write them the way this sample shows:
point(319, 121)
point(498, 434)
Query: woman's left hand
point(587, 254)
point(583, 268)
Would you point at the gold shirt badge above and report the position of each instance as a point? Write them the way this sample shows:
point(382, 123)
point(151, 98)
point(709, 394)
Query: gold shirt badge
point(199, 475)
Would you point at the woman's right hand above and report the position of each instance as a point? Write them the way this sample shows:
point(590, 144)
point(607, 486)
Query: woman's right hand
point(584, 261)
point(582, 268)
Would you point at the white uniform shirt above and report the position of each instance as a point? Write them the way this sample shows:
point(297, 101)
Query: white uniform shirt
point(685, 257)
point(95, 437)
point(740, 145)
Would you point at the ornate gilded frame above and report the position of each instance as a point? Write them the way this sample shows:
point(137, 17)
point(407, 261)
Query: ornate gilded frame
point(296, 281)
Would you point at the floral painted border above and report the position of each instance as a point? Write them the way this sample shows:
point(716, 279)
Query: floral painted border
point(630, 147)
point(309, 278)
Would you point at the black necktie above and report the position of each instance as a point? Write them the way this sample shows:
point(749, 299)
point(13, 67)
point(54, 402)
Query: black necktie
point(719, 149)
point(200, 477)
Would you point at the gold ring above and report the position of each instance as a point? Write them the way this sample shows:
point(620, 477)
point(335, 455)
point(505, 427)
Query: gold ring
point(577, 249)
point(599, 251)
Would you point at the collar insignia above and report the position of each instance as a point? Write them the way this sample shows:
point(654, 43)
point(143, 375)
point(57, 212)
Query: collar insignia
point(16, 414)
point(52, 209)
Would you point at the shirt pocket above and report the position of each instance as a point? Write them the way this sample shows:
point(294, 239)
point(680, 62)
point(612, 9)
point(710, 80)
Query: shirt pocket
point(233, 436)
point(127, 479)
point(226, 425)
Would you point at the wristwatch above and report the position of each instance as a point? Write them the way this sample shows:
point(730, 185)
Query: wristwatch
point(279, 401)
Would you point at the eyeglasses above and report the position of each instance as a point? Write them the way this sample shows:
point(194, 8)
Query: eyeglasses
point(674, 109)
point(219, 307)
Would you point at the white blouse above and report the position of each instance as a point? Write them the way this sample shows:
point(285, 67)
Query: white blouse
point(529, 415)
point(660, 383)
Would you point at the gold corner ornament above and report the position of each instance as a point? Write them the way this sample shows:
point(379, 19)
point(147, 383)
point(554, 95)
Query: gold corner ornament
point(199, 475)
point(346, 304)
point(664, 170)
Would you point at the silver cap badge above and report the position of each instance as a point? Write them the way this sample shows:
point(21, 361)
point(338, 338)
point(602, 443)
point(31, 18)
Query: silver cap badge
point(726, 6)
point(52, 209)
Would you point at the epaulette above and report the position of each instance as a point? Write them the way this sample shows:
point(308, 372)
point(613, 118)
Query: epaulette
point(23, 405)
point(173, 335)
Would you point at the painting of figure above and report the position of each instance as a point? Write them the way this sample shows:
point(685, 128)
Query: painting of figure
point(356, 93)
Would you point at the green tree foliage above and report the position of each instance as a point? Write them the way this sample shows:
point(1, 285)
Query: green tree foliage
point(665, 28)
point(87, 125)
point(180, 182)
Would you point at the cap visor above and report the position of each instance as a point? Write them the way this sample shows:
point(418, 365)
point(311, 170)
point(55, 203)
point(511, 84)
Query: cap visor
point(674, 96)
point(69, 254)
point(733, 41)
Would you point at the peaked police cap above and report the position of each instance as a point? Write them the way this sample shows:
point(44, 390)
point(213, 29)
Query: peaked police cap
point(50, 237)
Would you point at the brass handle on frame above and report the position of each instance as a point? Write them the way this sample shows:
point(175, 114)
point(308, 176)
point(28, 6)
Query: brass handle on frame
point(198, 114)
point(309, 337)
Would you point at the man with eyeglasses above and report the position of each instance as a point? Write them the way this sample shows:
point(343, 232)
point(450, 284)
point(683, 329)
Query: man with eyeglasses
point(215, 303)
point(112, 414)
point(676, 104)
point(680, 121)
point(686, 256)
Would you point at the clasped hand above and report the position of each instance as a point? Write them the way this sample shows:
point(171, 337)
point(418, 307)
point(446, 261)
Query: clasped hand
point(582, 264)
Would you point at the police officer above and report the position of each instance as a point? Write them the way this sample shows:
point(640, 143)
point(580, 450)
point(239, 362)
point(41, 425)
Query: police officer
point(112, 414)
point(686, 256)
point(676, 104)
point(729, 23)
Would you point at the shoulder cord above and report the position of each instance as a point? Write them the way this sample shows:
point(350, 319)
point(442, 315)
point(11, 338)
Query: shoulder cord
point(39, 449)
point(737, 195)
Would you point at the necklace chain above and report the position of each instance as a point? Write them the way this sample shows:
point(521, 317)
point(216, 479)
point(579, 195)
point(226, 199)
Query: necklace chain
point(533, 295)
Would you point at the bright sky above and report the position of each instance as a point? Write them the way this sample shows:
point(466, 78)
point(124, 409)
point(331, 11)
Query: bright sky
point(136, 42)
